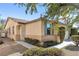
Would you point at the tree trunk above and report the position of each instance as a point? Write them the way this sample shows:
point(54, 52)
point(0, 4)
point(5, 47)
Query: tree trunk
point(67, 35)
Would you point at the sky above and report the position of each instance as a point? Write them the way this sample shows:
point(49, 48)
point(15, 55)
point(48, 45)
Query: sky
point(12, 10)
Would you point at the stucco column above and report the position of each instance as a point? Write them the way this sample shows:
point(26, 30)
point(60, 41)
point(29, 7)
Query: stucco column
point(55, 29)
point(22, 32)
point(51, 29)
point(17, 32)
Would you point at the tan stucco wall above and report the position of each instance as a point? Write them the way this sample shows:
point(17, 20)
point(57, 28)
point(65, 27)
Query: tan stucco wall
point(52, 37)
point(34, 30)
point(10, 24)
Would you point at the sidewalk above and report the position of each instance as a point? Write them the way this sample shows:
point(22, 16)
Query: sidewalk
point(63, 44)
point(27, 45)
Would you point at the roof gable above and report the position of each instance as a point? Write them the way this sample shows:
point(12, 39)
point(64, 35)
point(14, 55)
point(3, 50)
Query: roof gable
point(17, 20)
point(23, 21)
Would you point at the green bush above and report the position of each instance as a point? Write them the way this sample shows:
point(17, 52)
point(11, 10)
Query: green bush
point(43, 52)
point(50, 43)
point(53, 52)
point(37, 42)
point(32, 41)
point(75, 38)
point(74, 31)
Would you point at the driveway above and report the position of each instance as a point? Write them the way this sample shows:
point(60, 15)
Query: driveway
point(10, 47)
point(71, 50)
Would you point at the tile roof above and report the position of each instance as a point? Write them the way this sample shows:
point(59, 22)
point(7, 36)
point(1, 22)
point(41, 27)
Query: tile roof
point(18, 20)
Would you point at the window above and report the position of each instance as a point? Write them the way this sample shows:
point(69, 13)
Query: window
point(48, 29)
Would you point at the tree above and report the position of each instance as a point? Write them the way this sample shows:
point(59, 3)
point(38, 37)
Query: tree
point(54, 11)
point(1, 23)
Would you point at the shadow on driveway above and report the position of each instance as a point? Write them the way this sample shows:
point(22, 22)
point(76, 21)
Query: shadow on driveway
point(72, 48)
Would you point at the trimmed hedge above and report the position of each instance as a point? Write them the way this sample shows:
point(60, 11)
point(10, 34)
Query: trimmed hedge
point(74, 31)
point(47, 44)
point(43, 52)
point(37, 42)
point(31, 41)
point(50, 43)
point(75, 38)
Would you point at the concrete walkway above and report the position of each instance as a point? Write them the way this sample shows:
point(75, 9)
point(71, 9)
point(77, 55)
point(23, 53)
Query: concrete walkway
point(27, 45)
point(63, 44)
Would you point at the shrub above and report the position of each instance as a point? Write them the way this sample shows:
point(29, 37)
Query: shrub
point(42, 52)
point(33, 52)
point(37, 42)
point(32, 41)
point(53, 52)
point(74, 31)
point(50, 43)
point(1, 42)
point(75, 38)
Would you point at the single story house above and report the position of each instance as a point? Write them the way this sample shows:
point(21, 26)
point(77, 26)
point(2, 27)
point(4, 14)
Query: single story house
point(40, 29)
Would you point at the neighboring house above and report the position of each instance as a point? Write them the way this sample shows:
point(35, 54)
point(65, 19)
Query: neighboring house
point(40, 29)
